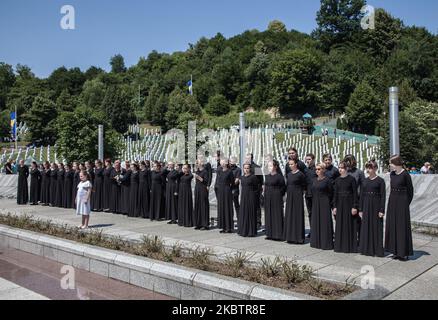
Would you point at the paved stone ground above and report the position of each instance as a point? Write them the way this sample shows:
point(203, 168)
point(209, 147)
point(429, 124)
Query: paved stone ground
point(414, 279)
point(12, 291)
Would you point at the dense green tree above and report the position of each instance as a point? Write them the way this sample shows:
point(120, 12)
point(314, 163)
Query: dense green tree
point(65, 102)
point(117, 63)
point(227, 74)
point(295, 81)
point(218, 105)
point(338, 22)
point(7, 80)
point(41, 120)
point(277, 26)
point(363, 110)
point(93, 93)
point(77, 135)
point(384, 37)
point(180, 102)
point(118, 109)
point(5, 128)
point(66, 79)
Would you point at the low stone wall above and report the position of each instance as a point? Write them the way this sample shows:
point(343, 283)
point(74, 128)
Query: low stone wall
point(161, 277)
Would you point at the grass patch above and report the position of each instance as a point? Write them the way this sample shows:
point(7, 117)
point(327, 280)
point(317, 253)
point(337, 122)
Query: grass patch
point(278, 272)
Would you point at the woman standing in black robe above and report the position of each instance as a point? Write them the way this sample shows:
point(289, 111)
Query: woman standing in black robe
point(247, 221)
point(398, 233)
point(97, 194)
point(116, 190)
point(224, 182)
point(125, 185)
point(156, 209)
point(274, 189)
point(22, 190)
point(76, 180)
point(144, 190)
point(372, 211)
point(45, 184)
point(35, 183)
point(345, 205)
point(68, 184)
point(202, 206)
point(53, 183)
point(294, 225)
point(90, 170)
point(107, 185)
point(185, 198)
point(171, 196)
point(133, 191)
point(321, 236)
point(60, 186)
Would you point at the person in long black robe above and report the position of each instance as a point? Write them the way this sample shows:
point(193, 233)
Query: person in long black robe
point(185, 198)
point(144, 190)
point(322, 223)
point(310, 173)
point(116, 191)
point(224, 181)
point(372, 210)
point(247, 222)
point(35, 184)
point(157, 206)
point(125, 185)
point(107, 185)
point(171, 196)
point(76, 180)
point(274, 188)
point(202, 205)
point(133, 191)
point(97, 195)
point(53, 184)
point(68, 202)
point(60, 194)
point(237, 172)
point(22, 190)
point(398, 233)
point(345, 205)
point(90, 170)
point(45, 184)
point(294, 225)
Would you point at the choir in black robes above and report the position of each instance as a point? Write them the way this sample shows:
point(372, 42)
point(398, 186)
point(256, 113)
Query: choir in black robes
point(273, 204)
point(171, 196)
point(53, 186)
point(322, 222)
point(202, 205)
point(60, 194)
point(398, 233)
point(247, 223)
point(156, 208)
point(372, 201)
point(45, 186)
point(68, 202)
point(35, 185)
point(133, 195)
point(344, 200)
point(22, 190)
point(224, 181)
point(144, 192)
point(294, 225)
point(185, 200)
point(107, 188)
point(97, 190)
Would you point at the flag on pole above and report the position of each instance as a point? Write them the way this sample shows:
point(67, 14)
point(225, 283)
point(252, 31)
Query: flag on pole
point(14, 125)
point(190, 85)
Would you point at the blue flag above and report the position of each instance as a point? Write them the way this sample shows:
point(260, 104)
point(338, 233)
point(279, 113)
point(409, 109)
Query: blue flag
point(14, 124)
point(189, 84)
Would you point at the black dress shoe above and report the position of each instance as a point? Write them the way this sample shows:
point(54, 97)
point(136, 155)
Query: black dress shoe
point(205, 228)
point(197, 228)
point(222, 231)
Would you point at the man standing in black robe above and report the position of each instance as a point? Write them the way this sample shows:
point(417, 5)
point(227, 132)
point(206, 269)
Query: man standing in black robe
point(257, 171)
point(237, 172)
point(310, 175)
point(22, 191)
point(331, 171)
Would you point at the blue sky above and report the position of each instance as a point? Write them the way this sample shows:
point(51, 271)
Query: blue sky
point(30, 31)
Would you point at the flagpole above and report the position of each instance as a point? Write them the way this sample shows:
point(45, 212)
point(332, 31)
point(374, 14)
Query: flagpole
point(16, 117)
